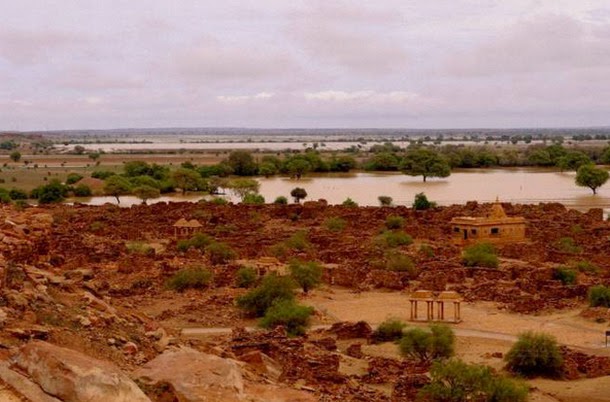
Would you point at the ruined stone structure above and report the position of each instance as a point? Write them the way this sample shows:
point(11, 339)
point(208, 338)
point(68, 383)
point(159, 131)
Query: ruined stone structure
point(497, 227)
point(428, 297)
point(184, 228)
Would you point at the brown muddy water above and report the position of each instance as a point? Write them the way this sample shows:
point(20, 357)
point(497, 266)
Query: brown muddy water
point(525, 185)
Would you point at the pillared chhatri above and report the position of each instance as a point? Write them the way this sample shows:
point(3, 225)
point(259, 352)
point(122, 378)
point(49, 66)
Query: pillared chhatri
point(496, 227)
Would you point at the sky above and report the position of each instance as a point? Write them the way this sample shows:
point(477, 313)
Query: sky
point(91, 64)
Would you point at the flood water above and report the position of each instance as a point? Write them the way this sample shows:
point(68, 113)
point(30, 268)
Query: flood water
point(526, 185)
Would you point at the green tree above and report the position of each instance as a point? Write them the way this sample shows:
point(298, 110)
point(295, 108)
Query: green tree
point(298, 167)
point(187, 180)
point(79, 150)
point(15, 156)
point(242, 163)
point(94, 156)
point(307, 275)
point(426, 163)
point(146, 193)
point(52, 192)
point(573, 160)
point(437, 343)
point(117, 186)
point(592, 177)
point(241, 187)
point(298, 194)
point(456, 381)
point(421, 202)
point(267, 169)
point(385, 201)
point(290, 315)
point(535, 354)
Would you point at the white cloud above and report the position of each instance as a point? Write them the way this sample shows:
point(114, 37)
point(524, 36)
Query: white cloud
point(244, 98)
point(365, 96)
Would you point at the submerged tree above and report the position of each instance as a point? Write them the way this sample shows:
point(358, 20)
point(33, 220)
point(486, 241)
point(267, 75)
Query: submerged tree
point(298, 194)
point(591, 176)
point(117, 186)
point(426, 163)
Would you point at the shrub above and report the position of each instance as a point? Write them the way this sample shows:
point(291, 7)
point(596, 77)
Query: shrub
point(198, 240)
point(253, 199)
point(480, 255)
point(566, 275)
point(246, 277)
point(426, 250)
point(195, 278)
point(281, 200)
point(394, 222)
point(389, 330)
point(335, 224)
point(349, 203)
point(421, 202)
point(456, 381)
point(535, 354)
point(394, 239)
point(138, 247)
point(400, 263)
point(568, 245)
point(17, 194)
point(220, 253)
point(82, 190)
point(298, 241)
point(273, 288)
point(586, 266)
point(307, 275)
point(102, 174)
point(73, 178)
point(219, 201)
point(599, 296)
point(287, 313)
point(50, 193)
point(384, 200)
point(5, 198)
point(437, 343)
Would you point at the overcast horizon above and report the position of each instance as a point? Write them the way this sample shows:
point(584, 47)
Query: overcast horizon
point(79, 64)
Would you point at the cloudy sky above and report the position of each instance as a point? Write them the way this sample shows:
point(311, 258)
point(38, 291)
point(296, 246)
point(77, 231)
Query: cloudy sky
point(68, 64)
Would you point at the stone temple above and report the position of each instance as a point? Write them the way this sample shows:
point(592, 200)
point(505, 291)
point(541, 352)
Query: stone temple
point(496, 227)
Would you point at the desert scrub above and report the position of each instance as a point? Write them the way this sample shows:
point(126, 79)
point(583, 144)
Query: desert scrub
point(349, 203)
point(306, 274)
point(566, 275)
point(190, 278)
point(426, 250)
point(599, 296)
point(138, 247)
point(199, 241)
point(535, 354)
point(397, 262)
point(273, 289)
point(586, 267)
point(281, 200)
point(426, 345)
point(292, 316)
point(385, 201)
point(246, 277)
point(393, 239)
point(335, 224)
point(480, 255)
point(220, 253)
point(389, 330)
point(568, 245)
point(298, 241)
point(456, 381)
point(394, 222)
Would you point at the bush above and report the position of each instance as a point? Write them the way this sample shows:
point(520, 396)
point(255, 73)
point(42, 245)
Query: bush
point(298, 241)
point(480, 255)
point(599, 296)
point(194, 278)
point(394, 239)
point(287, 313)
point(272, 289)
point(349, 203)
point(17, 194)
point(335, 224)
point(138, 247)
point(586, 266)
point(82, 190)
point(400, 263)
point(73, 178)
point(220, 253)
point(51, 193)
point(437, 343)
point(246, 277)
point(394, 222)
point(298, 194)
point(384, 200)
point(307, 275)
point(253, 199)
point(5, 198)
point(426, 250)
point(566, 275)
point(198, 240)
point(102, 174)
point(421, 202)
point(456, 381)
point(219, 201)
point(568, 245)
point(389, 330)
point(281, 200)
point(535, 354)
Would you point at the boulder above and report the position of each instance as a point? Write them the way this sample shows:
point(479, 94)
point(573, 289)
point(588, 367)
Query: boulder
point(195, 376)
point(73, 377)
